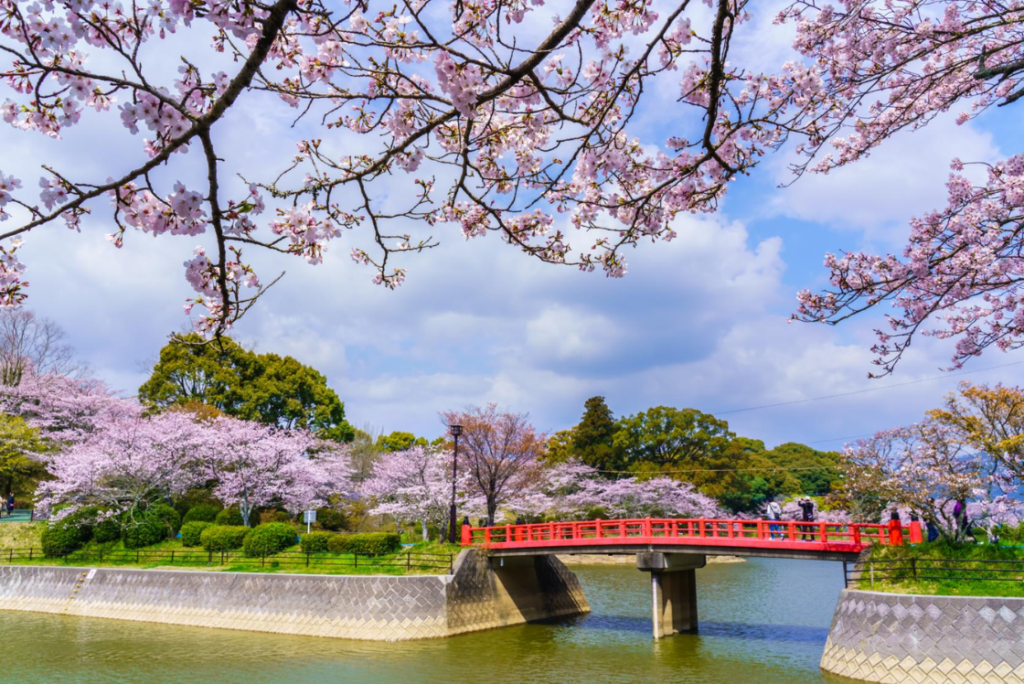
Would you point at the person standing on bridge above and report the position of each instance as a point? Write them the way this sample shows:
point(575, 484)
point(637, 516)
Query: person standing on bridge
point(774, 513)
point(807, 508)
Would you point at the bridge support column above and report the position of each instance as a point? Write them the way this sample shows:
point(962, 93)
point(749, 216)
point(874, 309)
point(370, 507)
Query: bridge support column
point(673, 590)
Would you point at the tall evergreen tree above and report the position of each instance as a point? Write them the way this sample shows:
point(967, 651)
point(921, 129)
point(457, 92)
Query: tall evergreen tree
point(592, 441)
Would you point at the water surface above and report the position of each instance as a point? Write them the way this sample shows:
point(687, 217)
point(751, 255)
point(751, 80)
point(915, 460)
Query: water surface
point(762, 621)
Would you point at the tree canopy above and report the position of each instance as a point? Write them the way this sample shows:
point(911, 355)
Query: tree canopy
point(272, 389)
point(665, 436)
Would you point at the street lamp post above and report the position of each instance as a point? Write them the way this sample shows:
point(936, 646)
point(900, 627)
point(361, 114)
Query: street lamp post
point(456, 430)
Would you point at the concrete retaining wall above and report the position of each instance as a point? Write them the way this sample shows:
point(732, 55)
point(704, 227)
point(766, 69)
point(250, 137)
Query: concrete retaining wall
point(880, 637)
point(474, 597)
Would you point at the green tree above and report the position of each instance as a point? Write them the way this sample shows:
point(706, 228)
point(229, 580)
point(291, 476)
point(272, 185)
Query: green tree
point(400, 441)
point(669, 437)
point(593, 440)
point(20, 446)
point(741, 476)
point(559, 447)
point(816, 471)
point(272, 389)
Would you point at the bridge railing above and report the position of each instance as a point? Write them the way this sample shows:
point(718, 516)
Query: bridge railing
point(691, 530)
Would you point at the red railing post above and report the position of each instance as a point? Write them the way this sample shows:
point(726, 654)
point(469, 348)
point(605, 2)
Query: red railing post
point(509, 535)
point(700, 528)
point(487, 535)
point(645, 527)
point(855, 529)
point(823, 533)
point(467, 535)
point(597, 528)
point(792, 530)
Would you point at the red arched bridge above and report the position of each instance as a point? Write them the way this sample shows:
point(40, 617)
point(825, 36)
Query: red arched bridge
point(673, 549)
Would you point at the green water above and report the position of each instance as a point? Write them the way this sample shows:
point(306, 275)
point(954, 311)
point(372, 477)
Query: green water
point(763, 621)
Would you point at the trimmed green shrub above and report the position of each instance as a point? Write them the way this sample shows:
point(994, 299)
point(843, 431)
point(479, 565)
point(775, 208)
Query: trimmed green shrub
point(223, 537)
point(169, 517)
point(108, 530)
point(229, 517)
point(191, 532)
point(60, 538)
point(201, 513)
point(331, 519)
point(141, 529)
point(371, 544)
point(269, 538)
point(316, 542)
point(338, 543)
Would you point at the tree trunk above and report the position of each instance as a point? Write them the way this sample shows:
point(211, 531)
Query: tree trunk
point(423, 524)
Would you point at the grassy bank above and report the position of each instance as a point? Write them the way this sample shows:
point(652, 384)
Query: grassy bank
point(945, 569)
point(22, 547)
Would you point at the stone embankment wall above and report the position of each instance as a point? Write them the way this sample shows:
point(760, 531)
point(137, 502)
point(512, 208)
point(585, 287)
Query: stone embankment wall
point(474, 597)
point(880, 637)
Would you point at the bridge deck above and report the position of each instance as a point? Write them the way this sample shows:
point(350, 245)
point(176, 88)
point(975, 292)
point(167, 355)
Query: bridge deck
point(781, 539)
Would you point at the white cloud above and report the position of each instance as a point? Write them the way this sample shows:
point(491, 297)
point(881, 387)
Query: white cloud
point(905, 177)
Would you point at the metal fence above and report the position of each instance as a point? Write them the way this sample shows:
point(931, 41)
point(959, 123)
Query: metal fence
point(933, 570)
point(403, 561)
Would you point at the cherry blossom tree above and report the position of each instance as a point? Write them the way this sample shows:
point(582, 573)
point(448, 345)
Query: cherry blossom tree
point(885, 67)
point(501, 451)
point(416, 484)
point(66, 409)
point(926, 468)
point(496, 117)
point(577, 491)
point(132, 461)
point(255, 466)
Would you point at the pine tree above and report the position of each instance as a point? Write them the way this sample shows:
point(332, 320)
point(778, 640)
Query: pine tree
point(592, 439)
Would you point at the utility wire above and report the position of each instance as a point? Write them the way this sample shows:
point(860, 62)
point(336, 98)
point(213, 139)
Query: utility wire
point(864, 391)
point(712, 470)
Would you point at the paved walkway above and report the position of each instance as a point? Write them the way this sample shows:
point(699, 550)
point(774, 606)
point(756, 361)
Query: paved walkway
point(19, 516)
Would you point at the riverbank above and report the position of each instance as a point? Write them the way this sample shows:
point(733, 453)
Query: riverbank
point(887, 637)
point(943, 569)
point(475, 596)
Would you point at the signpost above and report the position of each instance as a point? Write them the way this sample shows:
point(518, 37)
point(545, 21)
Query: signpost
point(308, 517)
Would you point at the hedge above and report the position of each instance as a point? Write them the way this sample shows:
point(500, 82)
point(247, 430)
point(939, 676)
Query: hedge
point(223, 537)
point(61, 538)
point(229, 517)
point(371, 544)
point(269, 538)
point(316, 542)
point(203, 512)
point(191, 532)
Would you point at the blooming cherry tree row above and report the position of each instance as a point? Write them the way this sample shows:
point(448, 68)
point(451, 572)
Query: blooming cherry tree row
point(116, 456)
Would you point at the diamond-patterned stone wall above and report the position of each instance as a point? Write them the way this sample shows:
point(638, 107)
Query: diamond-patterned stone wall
point(475, 597)
point(487, 593)
point(881, 637)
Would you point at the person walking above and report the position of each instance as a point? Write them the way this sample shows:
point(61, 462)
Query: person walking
point(807, 510)
point(774, 513)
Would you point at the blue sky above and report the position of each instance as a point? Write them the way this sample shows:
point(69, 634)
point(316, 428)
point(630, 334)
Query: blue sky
point(699, 322)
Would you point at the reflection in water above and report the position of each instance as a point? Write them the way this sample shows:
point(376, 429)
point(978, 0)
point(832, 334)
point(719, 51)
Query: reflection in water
point(763, 621)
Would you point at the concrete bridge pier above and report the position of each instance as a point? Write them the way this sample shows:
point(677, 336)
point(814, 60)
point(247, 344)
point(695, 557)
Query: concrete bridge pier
point(673, 590)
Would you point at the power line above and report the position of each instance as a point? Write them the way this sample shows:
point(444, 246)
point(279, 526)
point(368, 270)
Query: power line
point(712, 470)
point(864, 391)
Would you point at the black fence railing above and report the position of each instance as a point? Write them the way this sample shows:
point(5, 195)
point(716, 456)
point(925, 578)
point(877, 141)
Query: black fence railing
point(403, 561)
point(932, 570)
